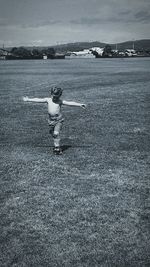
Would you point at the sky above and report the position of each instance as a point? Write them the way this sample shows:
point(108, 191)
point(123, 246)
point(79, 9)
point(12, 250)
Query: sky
point(52, 22)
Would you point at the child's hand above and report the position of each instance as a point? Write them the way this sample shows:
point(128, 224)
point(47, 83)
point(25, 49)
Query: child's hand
point(83, 106)
point(25, 98)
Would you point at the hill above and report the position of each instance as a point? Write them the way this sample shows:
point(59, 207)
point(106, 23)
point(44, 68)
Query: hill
point(143, 44)
point(138, 45)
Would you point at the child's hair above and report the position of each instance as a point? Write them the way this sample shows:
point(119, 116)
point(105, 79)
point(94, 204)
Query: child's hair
point(56, 91)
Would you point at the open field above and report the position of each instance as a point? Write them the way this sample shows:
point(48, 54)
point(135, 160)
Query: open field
point(91, 206)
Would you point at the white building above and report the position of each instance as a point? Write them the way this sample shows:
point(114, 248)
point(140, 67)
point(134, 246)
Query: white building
point(130, 52)
point(99, 50)
point(44, 56)
point(86, 53)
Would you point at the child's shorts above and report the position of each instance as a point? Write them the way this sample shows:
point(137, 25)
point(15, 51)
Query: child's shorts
point(55, 125)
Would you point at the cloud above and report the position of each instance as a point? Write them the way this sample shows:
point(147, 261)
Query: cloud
point(42, 23)
point(4, 22)
point(143, 16)
point(100, 21)
point(30, 23)
point(86, 21)
point(109, 15)
point(68, 20)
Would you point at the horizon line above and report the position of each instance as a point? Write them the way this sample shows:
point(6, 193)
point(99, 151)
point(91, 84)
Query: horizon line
point(80, 42)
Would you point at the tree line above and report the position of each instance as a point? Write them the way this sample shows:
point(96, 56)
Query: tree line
point(22, 52)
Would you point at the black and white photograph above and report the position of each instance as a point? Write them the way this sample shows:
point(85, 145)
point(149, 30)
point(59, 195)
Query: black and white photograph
point(74, 133)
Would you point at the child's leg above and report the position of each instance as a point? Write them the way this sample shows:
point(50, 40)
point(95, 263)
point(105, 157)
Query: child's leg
point(56, 134)
point(51, 129)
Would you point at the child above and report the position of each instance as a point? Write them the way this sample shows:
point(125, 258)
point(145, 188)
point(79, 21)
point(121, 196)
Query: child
point(54, 111)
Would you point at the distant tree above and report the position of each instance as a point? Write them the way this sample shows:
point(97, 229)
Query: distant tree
point(21, 52)
point(51, 51)
point(107, 51)
point(14, 50)
point(36, 54)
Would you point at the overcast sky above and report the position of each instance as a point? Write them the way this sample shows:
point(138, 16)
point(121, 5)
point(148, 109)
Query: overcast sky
point(50, 22)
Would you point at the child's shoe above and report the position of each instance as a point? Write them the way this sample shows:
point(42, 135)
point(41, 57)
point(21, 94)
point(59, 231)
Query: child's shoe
point(57, 151)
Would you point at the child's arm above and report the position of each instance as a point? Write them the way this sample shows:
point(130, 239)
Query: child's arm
point(37, 100)
point(74, 104)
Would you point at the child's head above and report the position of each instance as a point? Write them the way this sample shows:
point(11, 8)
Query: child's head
point(56, 92)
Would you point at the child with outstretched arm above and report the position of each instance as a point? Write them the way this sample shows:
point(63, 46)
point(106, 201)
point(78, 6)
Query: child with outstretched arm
point(54, 111)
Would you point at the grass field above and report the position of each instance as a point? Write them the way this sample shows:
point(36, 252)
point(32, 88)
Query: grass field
point(91, 206)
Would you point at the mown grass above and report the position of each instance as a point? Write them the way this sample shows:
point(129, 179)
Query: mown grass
point(89, 207)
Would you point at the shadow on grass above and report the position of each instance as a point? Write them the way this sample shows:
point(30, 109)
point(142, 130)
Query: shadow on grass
point(63, 147)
